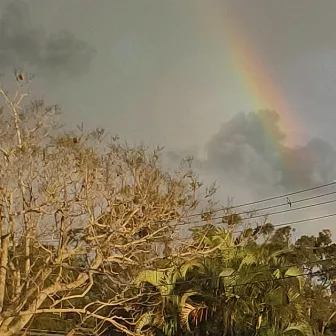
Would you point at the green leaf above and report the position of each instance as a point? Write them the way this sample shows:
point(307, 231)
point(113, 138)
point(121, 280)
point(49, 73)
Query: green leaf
point(303, 329)
point(279, 253)
point(152, 277)
point(293, 295)
point(226, 276)
point(227, 272)
point(249, 259)
point(295, 272)
point(277, 273)
point(157, 279)
point(275, 297)
point(189, 267)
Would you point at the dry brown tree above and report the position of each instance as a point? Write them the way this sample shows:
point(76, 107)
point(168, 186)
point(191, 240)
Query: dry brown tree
point(74, 205)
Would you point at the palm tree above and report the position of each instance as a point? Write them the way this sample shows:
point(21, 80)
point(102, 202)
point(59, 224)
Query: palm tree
point(239, 289)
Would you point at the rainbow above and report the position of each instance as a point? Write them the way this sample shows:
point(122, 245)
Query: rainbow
point(252, 71)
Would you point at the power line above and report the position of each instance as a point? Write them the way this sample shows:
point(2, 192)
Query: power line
point(285, 195)
point(260, 209)
point(290, 223)
point(296, 222)
point(274, 198)
point(237, 231)
point(305, 220)
point(261, 215)
point(283, 204)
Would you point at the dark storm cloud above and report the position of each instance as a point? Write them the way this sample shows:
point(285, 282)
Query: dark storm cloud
point(24, 44)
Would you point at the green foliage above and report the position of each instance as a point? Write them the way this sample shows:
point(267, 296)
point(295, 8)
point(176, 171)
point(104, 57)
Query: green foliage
point(246, 289)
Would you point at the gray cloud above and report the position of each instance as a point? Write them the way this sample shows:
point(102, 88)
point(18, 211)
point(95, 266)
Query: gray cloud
point(24, 44)
point(242, 152)
point(310, 165)
point(241, 146)
point(244, 149)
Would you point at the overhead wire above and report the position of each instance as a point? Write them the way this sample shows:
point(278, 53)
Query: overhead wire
point(261, 215)
point(283, 224)
point(305, 220)
point(274, 198)
point(289, 223)
point(181, 223)
point(283, 204)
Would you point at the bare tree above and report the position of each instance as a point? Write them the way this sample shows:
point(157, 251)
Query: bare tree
point(74, 206)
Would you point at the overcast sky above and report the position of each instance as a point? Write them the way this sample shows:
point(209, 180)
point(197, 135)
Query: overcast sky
point(160, 71)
